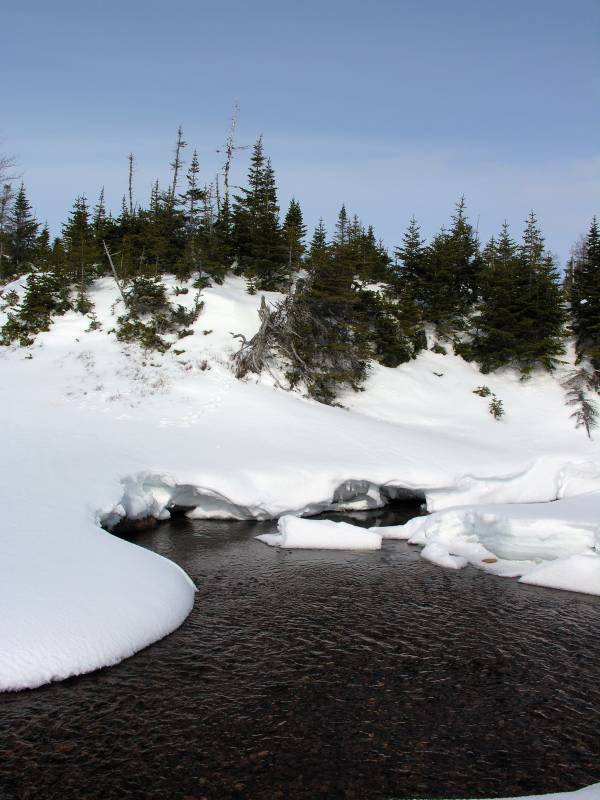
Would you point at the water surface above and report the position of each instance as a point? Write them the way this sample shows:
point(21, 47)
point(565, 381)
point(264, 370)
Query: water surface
point(304, 674)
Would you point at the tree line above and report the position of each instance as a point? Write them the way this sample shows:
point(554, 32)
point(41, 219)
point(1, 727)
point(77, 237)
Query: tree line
point(346, 300)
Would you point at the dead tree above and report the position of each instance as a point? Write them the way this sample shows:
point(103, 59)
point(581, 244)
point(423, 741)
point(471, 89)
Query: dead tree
point(176, 165)
point(7, 175)
point(114, 272)
point(130, 183)
point(6, 196)
point(275, 341)
point(255, 352)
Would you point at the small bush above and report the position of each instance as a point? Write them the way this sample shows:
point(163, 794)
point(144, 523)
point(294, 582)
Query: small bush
point(482, 391)
point(144, 334)
point(146, 296)
point(496, 408)
point(83, 304)
point(95, 324)
point(439, 349)
point(8, 300)
point(45, 294)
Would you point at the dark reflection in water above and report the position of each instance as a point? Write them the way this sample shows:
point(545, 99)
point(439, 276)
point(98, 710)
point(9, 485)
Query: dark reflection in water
point(324, 675)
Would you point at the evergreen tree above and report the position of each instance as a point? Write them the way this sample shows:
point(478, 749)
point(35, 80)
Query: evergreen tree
point(394, 326)
point(190, 260)
point(443, 277)
point(340, 237)
point(373, 261)
point(585, 300)
point(318, 250)
point(497, 327)
point(23, 233)
point(542, 312)
point(412, 255)
point(259, 242)
point(81, 251)
point(521, 319)
point(100, 222)
point(333, 337)
point(294, 232)
point(464, 250)
point(43, 251)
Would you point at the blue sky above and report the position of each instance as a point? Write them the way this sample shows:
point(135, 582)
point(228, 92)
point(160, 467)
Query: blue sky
point(392, 107)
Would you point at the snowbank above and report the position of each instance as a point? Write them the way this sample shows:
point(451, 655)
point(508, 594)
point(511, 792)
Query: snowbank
point(295, 534)
point(94, 431)
point(587, 793)
point(551, 544)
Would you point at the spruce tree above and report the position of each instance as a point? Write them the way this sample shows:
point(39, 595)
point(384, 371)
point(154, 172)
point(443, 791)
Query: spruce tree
point(23, 233)
point(521, 315)
point(585, 300)
point(411, 254)
point(542, 311)
point(373, 261)
point(318, 250)
point(43, 251)
point(334, 343)
point(464, 248)
point(82, 253)
point(438, 293)
point(99, 219)
point(294, 233)
point(259, 242)
point(443, 277)
point(498, 325)
point(342, 225)
point(190, 260)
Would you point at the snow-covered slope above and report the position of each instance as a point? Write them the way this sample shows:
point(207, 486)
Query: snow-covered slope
point(95, 430)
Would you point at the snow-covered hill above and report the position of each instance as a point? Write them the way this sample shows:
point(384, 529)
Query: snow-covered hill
point(94, 430)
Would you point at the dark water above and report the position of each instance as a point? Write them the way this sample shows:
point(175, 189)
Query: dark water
point(324, 675)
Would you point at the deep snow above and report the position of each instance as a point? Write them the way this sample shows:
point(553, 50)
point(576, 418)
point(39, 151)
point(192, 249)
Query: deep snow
point(94, 430)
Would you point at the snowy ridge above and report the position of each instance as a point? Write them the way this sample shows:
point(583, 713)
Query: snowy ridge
point(93, 431)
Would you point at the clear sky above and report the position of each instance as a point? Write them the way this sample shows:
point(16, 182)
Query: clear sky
point(393, 107)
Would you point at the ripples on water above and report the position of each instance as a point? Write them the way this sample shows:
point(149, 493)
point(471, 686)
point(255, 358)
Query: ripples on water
point(316, 674)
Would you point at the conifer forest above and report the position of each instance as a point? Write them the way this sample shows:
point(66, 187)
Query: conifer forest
point(348, 299)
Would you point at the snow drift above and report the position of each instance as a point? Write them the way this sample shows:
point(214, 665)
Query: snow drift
point(551, 544)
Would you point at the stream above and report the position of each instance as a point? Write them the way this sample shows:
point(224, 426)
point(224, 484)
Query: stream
point(323, 674)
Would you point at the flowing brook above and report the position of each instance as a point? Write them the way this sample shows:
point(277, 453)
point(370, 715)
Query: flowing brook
point(324, 675)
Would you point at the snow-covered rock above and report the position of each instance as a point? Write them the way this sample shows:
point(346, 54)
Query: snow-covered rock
point(93, 430)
